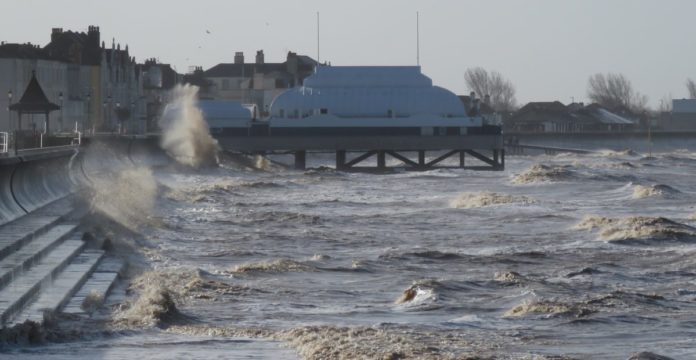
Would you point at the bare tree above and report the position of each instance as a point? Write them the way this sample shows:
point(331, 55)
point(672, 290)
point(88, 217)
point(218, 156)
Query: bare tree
point(665, 104)
point(493, 84)
point(691, 86)
point(615, 91)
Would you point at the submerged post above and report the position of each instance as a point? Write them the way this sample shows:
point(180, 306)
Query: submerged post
point(340, 159)
point(421, 158)
point(381, 160)
point(461, 158)
point(300, 159)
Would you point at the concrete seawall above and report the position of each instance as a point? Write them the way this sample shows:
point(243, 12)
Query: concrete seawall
point(34, 179)
point(30, 181)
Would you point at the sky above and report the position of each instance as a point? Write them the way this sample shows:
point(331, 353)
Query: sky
point(546, 48)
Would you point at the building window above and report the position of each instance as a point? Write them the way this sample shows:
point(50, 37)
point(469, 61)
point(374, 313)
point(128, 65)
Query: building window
point(323, 111)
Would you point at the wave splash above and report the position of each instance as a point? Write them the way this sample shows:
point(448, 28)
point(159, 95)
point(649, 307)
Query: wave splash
point(469, 200)
point(639, 229)
point(657, 190)
point(185, 134)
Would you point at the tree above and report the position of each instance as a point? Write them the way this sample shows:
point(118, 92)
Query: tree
point(615, 91)
point(691, 86)
point(493, 84)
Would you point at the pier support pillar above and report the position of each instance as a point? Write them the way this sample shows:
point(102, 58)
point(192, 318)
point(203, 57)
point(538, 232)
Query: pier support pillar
point(340, 159)
point(300, 159)
point(461, 158)
point(421, 158)
point(495, 156)
point(502, 159)
point(381, 160)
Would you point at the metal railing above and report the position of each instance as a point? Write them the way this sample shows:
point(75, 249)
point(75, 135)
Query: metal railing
point(4, 142)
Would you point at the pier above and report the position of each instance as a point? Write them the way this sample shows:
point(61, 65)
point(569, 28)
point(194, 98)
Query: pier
point(419, 153)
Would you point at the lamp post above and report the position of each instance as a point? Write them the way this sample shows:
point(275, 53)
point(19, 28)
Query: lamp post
point(60, 121)
point(9, 115)
point(88, 123)
point(118, 117)
point(109, 113)
point(131, 117)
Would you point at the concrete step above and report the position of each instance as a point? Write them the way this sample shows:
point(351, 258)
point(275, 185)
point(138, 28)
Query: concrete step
point(29, 254)
point(22, 230)
point(61, 290)
point(26, 285)
point(100, 282)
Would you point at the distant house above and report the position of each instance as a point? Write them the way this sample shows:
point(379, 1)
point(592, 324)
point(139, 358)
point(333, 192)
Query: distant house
point(682, 118)
point(258, 82)
point(555, 117)
point(94, 86)
point(157, 80)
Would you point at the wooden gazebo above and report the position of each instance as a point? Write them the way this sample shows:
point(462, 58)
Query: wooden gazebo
point(33, 101)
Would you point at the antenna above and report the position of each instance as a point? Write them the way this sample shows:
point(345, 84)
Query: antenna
point(318, 37)
point(417, 38)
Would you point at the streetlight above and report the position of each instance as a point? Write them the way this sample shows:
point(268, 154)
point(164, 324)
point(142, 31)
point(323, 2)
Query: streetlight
point(89, 115)
point(9, 114)
point(111, 129)
point(60, 98)
point(132, 117)
point(118, 116)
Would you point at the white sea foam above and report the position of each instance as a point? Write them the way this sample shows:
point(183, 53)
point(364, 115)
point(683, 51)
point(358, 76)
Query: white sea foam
point(185, 133)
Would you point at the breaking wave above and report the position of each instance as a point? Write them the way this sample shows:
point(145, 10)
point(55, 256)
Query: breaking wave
point(274, 266)
point(185, 134)
point(471, 200)
point(422, 292)
point(658, 190)
point(159, 292)
point(545, 173)
point(548, 308)
point(637, 229)
point(361, 342)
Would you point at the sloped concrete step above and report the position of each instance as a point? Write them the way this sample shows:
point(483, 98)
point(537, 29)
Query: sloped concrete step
point(61, 290)
point(21, 231)
point(99, 283)
point(26, 285)
point(20, 260)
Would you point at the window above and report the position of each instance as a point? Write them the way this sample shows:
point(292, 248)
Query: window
point(323, 111)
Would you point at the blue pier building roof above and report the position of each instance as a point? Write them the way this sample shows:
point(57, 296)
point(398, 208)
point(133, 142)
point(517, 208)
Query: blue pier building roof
point(367, 92)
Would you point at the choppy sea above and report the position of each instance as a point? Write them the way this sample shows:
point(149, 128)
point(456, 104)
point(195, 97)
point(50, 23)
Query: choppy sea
point(588, 256)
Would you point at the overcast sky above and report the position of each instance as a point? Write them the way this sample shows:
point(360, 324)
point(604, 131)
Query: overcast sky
point(547, 48)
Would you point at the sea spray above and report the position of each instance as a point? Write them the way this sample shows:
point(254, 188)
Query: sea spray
point(185, 134)
point(127, 198)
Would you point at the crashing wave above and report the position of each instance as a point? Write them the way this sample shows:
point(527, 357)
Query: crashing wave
point(545, 173)
point(421, 292)
point(469, 200)
point(509, 278)
point(637, 229)
point(613, 153)
point(549, 308)
point(275, 266)
point(160, 291)
point(658, 190)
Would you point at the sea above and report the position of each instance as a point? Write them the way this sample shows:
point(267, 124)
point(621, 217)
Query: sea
point(561, 256)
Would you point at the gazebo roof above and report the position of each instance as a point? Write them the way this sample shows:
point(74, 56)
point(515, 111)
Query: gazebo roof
point(34, 100)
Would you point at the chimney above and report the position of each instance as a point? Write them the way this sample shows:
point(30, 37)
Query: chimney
point(239, 57)
point(55, 33)
point(93, 36)
point(259, 57)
